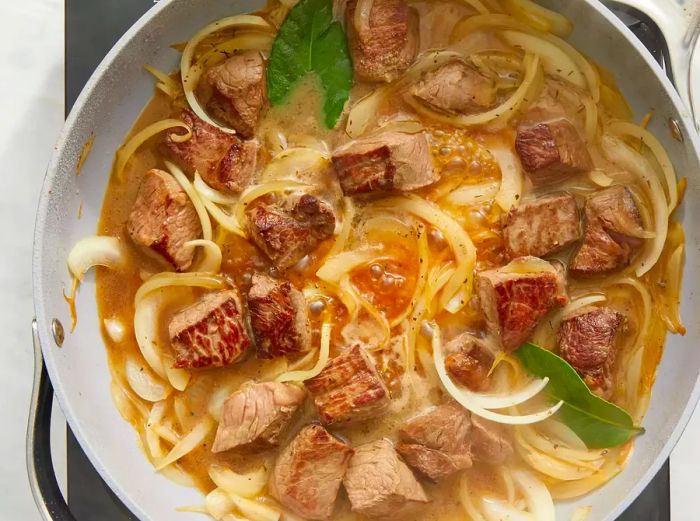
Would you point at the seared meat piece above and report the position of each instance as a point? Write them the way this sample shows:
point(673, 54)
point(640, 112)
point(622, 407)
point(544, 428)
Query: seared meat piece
point(469, 362)
point(257, 414)
point(541, 227)
point(289, 230)
point(307, 474)
point(514, 302)
point(234, 91)
point(613, 229)
point(379, 484)
point(388, 45)
point(490, 442)
point(348, 389)
point(384, 162)
point(455, 87)
point(224, 162)
point(552, 151)
point(211, 332)
point(163, 219)
point(278, 317)
point(587, 340)
point(436, 443)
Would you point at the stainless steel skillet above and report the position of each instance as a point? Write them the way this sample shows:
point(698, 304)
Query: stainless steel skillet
point(107, 107)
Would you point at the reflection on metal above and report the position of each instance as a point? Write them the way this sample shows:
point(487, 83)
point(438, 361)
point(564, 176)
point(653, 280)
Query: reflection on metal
point(675, 127)
point(57, 331)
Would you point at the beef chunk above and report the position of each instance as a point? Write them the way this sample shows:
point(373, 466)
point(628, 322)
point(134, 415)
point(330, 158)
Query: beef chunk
point(552, 151)
point(379, 484)
point(469, 362)
point(543, 226)
point(348, 389)
point(388, 45)
point(385, 162)
point(211, 332)
point(288, 230)
point(234, 91)
point(613, 229)
point(163, 219)
point(514, 302)
point(307, 474)
point(490, 442)
point(455, 87)
point(279, 317)
point(224, 161)
point(587, 341)
point(437, 442)
point(257, 414)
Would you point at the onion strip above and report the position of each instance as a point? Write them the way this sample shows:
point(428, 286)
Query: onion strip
point(323, 354)
point(211, 258)
point(247, 485)
point(182, 180)
point(168, 278)
point(207, 192)
point(97, 250)
point(188, 443)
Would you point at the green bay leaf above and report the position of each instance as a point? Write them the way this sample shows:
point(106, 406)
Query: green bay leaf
point(599, 423)
point(310, 41)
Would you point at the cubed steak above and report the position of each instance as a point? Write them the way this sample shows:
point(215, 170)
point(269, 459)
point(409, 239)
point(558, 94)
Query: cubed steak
point(437, 442)
point(308, 473)
point(543, 226)
point(613, 232)
point(278, 317)
point(385, 162)
point(552, 151)
point(290, 229)
point(515, 301)
point(234, 91)
point(469, 362)
point(379, 484)
point(348, 389)
point(163, 219)
point(225, 162)
point(211, 332)
point(490, 442)
point(456, 87)
point(386, 44)
point(256, 415)
point(587, 340)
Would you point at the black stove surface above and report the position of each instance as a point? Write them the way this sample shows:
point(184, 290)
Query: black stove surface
point(92, 28)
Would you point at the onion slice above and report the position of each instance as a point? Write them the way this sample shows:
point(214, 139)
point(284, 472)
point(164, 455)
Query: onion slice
point(144, 383)
point(248, 485)
point(511, 188)
point(98, 250)
point(502, 401)
point(211, 260)
point(167, 278)
point(206, 191)
point(182, 180)
point(188, 443)
point(323, 354)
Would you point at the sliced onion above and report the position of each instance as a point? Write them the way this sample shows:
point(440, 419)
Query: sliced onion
point(558, 448)
point(469, 195)
point(465, 400)
point(254, 192)
point(179, 378)
point(218, 504)
point(560, 431)
point(465, 498)
point(146, 319)
point(207, 192)
point(144, 383)
point(240, 42)
point(529, 265)
point(502, 401)
point(363, 9)
point(255, 510)
point(178, 476)
point(477, 6)
point(421, 280)
point(335, 267)
point(345, 228)
point(227, 221)
point(600, 178)
point(549, 465)
point(115, 329)
point(165, 83)
point(167, 278)
point(98, 250)
point(511, 189)
point(292, 162)
point(323, 354)
point(153, 442)
point(248, 485)
point(211, 258)
point(537, 496)
point(190, 442)
point(182, 180)
point(496, 510)
point(539, 17)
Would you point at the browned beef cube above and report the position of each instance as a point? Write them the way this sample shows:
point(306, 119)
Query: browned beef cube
point(234, 91)
point(587, 340)
point(514, 302)
point(385, 162)
point(256, 415)
point(552, 151)
point(469, 362)
point(348, 389)
point(379, 484)
point(289, 230)
point(224, 161)
point(308, 473)
point(543, 226)
point(455, 87)
point(490, 442)
point(163, 219)
point(279, 317)
point(211, 332)
point(613, 229)
point(437, 442)
point(385, 48)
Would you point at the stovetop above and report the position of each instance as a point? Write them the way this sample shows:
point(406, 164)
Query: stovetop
point(92, 27)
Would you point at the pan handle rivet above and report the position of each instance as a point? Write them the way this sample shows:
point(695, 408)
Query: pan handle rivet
point(59, 334)
point(675, 129)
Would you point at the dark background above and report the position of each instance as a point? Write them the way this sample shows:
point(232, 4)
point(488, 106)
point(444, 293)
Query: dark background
point(92, 27)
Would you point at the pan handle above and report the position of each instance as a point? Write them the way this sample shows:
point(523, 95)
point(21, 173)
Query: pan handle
point(679, 21)
point(42, 477)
